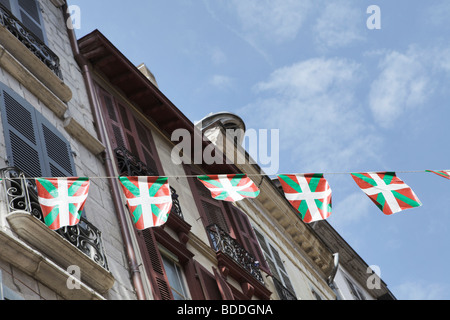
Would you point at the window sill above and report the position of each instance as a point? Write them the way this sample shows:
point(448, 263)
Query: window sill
point(60, 251)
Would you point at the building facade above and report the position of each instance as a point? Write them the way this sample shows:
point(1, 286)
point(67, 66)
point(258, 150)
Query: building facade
point(48, 130)
point(80, 108)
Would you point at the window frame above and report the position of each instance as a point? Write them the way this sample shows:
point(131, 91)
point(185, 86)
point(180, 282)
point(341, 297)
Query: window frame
point(279, 273)
point(167, 256)
point(17, 10)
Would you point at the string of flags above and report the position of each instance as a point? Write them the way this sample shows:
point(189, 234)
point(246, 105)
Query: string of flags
point(149, 199)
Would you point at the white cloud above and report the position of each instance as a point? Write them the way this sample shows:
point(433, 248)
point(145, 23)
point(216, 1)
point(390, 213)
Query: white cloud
point(276, 20)
point(360, 206)
point(221, 81)
point(218, 57)
point(402, 86)
point(314, 105)
point(339, 25)
point(407, 81)
point(418, 290)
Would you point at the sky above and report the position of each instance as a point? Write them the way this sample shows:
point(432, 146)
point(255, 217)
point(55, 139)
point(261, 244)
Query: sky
point(344, 97)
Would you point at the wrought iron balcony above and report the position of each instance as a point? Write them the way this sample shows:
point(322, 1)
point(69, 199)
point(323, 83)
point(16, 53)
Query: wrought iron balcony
point(33, 43)
point(129, 165)
point(223, 242)
point(283, 292)
point(21, 195)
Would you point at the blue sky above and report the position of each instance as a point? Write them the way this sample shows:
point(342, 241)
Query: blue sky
point(345, 99)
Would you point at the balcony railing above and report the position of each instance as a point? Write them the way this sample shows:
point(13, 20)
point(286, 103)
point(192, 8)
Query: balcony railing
point(283, 292)
point(33, 43)
point(131, 166)
point(223, 242)
point(21, 195)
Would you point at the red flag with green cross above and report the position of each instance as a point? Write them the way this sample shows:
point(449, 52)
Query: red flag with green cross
point(387, 191)
point(62, 200)
point(442, 173)
point(149, 200)
point(231, 187)
point(310, 194)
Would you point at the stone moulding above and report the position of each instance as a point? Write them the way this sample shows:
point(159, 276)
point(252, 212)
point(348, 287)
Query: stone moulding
point(59, 250)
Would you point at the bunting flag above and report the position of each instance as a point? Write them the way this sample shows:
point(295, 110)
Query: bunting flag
point(62, 200)
point(149, 200)
point(387, 191)
point(442, 173)
point(310, 194)
point(231, 187)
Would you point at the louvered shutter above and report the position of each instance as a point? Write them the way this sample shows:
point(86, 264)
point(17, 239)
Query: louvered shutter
point(6, 4)
point(56, 150)
point(30, 15)
point(113, 124)
point(121, 126)
point(223, 286)
point(154, 266)
point(208, 283)
point(247, 236)
point(127, 131)
point(21, 133)
point(33, 144)
point(211, 210)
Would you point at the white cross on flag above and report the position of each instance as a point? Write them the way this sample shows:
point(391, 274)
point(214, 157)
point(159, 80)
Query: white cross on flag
point(62, 200)
point(149, 200)
point(310, 194)
point(387, 191)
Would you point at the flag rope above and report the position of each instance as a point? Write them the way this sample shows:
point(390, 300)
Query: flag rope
point(255, 174)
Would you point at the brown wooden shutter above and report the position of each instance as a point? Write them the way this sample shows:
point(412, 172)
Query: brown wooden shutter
point(211, 210)
point(154, 266)
point(126, 131)
point(223, 286)
point(246, 236)
point(208, 283)
point(113, 124)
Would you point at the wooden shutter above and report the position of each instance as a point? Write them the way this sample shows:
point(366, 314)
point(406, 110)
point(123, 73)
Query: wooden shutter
point(154, 266)
point(30, 15)
point(223, 286)
point(33, 144)
point(6, 4)
point(211, 210)
point(247, 236)
point(57, 150)
point(127, 131)
point(21, 134)
point(208, 283)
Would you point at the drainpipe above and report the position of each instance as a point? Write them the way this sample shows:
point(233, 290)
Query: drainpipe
point(101, 131)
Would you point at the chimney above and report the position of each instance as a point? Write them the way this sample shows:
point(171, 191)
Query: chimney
point(147, 73)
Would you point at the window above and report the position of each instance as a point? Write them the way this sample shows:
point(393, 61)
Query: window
point(354, 290)
point(174, 276)
point(125, 130)
point(315, 294)
point(29, 13)
point(6, 293)
point(33, 144)
point(276, 265)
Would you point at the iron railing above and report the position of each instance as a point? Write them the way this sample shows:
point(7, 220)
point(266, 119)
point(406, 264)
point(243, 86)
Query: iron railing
point(21, 195)
point(31, 41)
point(130, 165)
point(283, 292)
point(223, 242)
